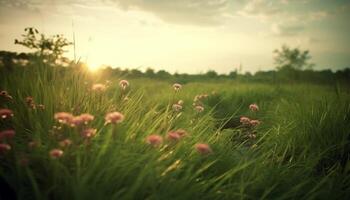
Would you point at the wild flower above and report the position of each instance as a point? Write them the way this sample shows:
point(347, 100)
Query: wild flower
point(203, 148)
point(114, 118)
point(5, 94)
point(180, 102)
point(7, 134)
point(4, 148)
point(6, 113)
point(40, 106)
point(88, 133)
point(29, 100)
point(199, 108)
point(254, 122)
point(65, 143)
point(84, 118)
point(33, 144)
point(126, 98)
point(254, 107)
point(177, 107)
point(123, 84)
point(251, 135)
point(200, 97)
point(173, 136)
point(244, 120)
point(98, 87)
point(154, 140)
point(181, 132)
point(23, 161)
point(64, 117)
point(56, 153)
point(177, 87)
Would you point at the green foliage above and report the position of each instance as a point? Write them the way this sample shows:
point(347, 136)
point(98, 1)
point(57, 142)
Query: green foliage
point(291, 59)
point(52, 47)
point(301, 153)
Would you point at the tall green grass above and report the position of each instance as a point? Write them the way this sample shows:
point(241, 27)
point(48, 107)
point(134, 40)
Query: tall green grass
point(301, 150)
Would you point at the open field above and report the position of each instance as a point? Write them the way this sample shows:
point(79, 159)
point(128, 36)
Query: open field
point(300, 149)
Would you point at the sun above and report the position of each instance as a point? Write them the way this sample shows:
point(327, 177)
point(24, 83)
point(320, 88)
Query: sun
point(93, 67)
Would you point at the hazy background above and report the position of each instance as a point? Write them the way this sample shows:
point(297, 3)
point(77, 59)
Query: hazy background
point(190, 36)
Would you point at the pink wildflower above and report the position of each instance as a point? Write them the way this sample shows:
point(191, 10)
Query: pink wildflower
point(88, 133)
point(98, 87)
point(56, 153)
point(173, 136)
point(30, 102)
point(254, 107)
point(245, 120)
point(40, 106)
point(114, 118)
point(23, 161)
point(123, 84)
point(82, 119)
point(4, 148)
point(199, 108)
point(254, 122)
point(154, 140)
point(203, 148)
point(181, 132)
point(5, 95)
point(5, 113)
point(7, 134)
point(33, 144)
point(177, 87)
point(64, 117)
point(177, 107)
point(65, 143)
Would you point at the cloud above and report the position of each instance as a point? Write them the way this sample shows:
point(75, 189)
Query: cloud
point(194, 12)
point(286, 30)
point(260, 8)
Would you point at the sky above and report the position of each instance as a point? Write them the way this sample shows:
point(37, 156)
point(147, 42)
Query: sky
point(186, 36)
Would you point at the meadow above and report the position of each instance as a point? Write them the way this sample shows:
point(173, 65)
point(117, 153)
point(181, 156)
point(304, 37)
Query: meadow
point(150, 139)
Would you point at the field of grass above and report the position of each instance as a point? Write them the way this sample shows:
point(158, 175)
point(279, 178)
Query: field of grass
point(300, 149)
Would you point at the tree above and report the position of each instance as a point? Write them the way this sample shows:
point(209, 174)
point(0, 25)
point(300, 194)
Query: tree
point(211, 74)
point(51, 48)
point(149, 73)
point(288, 58)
